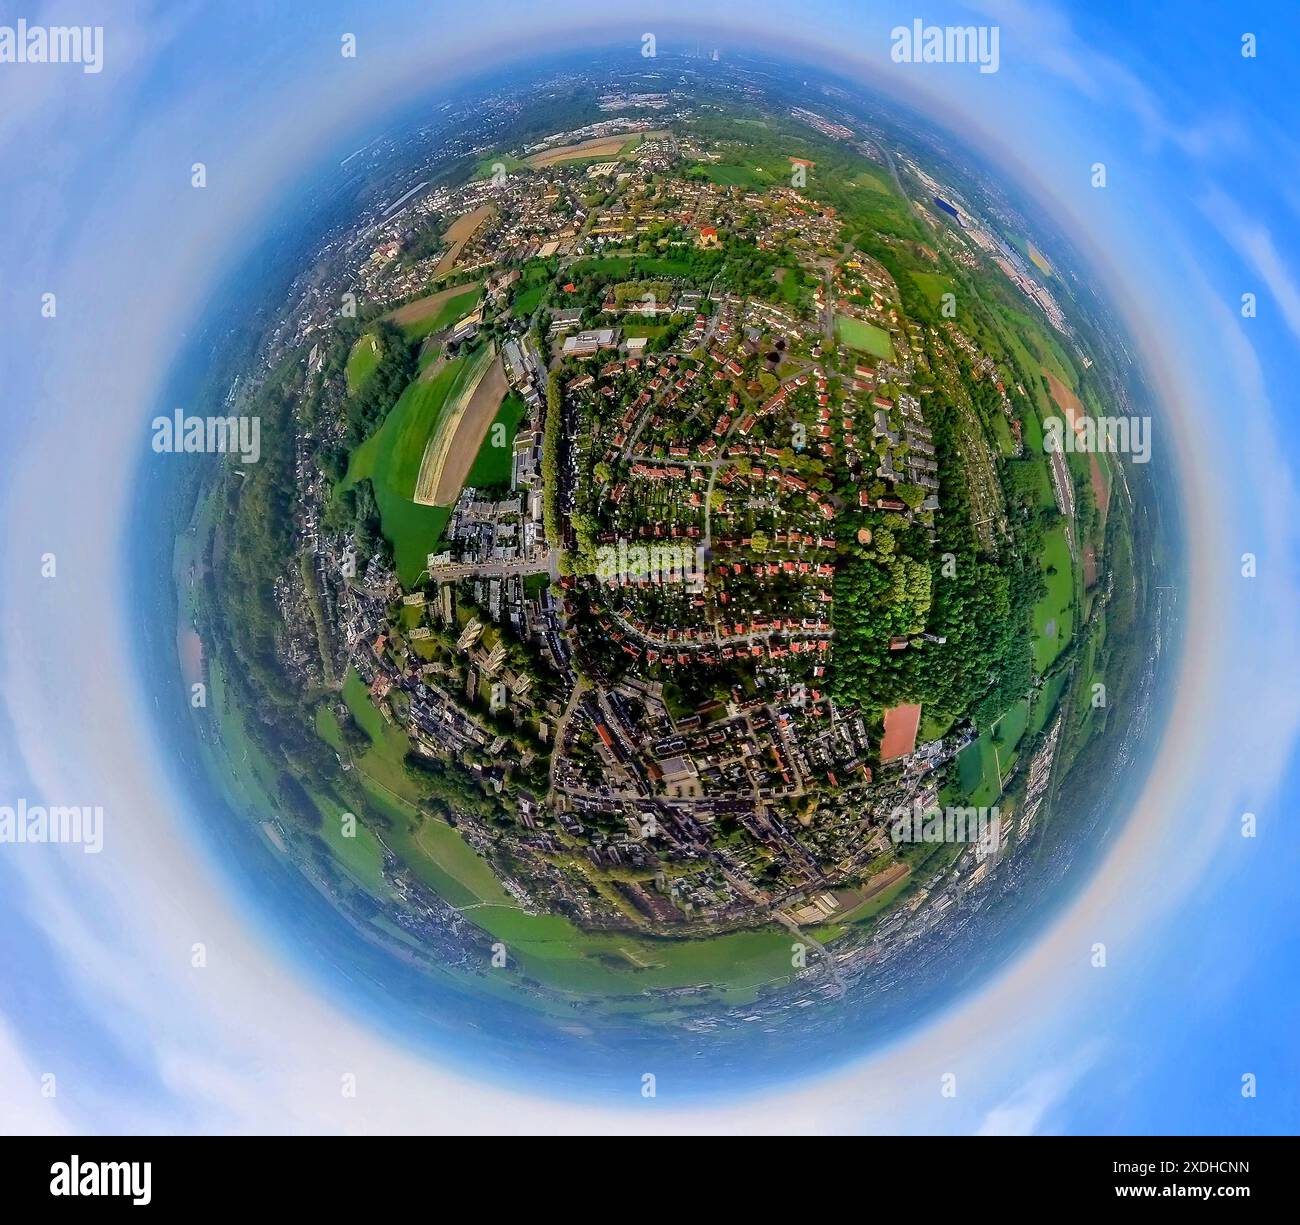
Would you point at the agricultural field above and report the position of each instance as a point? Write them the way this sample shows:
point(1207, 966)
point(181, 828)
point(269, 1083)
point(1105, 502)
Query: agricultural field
point(468, 409)
point(459, 233)
point(492, 464)
point(865, 337)
point(439, 310)
point(391, 459)
point(598, 148)
point(1073, 410)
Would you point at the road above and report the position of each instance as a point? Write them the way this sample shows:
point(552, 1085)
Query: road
point(725, 640)
point(543, 563)
point(562, 727)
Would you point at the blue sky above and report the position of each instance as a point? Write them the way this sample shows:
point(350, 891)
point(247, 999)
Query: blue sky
point(95, 206)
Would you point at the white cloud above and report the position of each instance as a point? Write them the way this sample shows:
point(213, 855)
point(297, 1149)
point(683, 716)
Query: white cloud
point(1028, 1110)
point(1255, 245)
point(1041, 32)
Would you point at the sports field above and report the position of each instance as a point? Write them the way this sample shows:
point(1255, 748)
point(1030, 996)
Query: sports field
point(865, 337)
point(901, 725)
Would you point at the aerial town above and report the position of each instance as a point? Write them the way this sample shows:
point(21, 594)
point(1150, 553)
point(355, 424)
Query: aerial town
point(599, 569)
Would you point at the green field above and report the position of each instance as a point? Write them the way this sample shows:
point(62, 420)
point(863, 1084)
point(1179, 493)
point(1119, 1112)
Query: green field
point(528, 300)
point(977, 771)
point(865, 337)
point(484, 168)
point(983, 763)
point(360, 855)
point(648, 330)
point(933, 286)
point(383, 761)
point(1046, 701)
point(453, 310)
point(934, 726)
point(726, 174)
point(1055, 611)
point(1008, 730)
point(796, 286)
point(492, 465)
point(1031, 435)
point(362, 361)
point(1002, 435)
point(874, 180)
point(735, 964)
point(390, 458)
point(874, 905)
